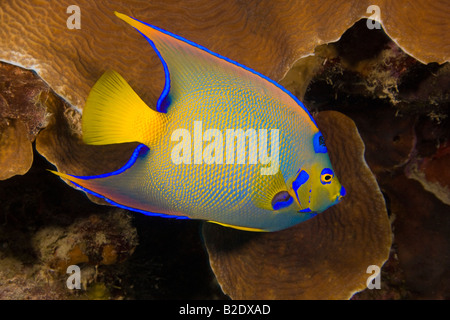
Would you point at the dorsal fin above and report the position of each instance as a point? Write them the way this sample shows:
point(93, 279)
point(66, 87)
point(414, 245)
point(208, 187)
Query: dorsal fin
point(188, 66)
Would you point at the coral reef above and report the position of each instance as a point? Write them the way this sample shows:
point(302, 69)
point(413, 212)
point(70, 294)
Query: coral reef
point(44, 229)
point(22, 115)
point(46, 226)
point(96, 240)
point(265, 35)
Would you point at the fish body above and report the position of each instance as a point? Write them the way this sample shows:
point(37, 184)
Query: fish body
point(226, 144)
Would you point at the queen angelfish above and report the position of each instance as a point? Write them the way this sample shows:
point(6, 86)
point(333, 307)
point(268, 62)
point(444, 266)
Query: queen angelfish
point(226, 144)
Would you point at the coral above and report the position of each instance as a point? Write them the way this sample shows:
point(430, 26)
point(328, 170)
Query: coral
point(46, 225)
point(431, 159)
point(323, 258)
point(421, 225)
point(17, 152)
point(22, 115)
point(45, 228)
point(400, 107)
point(264, 35)
point(96, 240)
point(98, 291)
point(432, 172)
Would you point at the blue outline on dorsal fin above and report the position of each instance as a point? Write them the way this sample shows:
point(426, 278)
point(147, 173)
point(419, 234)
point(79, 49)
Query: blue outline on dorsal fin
point(162, 102)
point(140, 151)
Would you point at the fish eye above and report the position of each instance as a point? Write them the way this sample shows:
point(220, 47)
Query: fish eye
point(326, 176)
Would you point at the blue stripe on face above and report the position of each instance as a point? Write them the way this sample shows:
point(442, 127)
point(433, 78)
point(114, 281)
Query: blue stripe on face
point(300, 180)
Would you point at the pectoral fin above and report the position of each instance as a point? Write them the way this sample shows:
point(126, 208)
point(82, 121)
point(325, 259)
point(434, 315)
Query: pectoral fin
point(268, 192)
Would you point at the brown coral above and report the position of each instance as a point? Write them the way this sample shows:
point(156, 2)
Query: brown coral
point(422, 225)
point(400, 107)
point(22, 115)
point(16, 152)
point(323, 258)
point(95, 240)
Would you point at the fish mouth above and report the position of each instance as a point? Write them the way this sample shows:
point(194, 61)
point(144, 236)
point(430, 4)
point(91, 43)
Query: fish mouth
point(341, 195)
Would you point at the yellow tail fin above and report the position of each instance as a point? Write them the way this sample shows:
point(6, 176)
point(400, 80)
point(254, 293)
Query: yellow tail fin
point(114, 113)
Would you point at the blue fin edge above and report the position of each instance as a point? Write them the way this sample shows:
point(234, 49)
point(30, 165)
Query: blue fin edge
point(162, 103)
point(141, 150)
point(299, 181)
point(147, 213)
